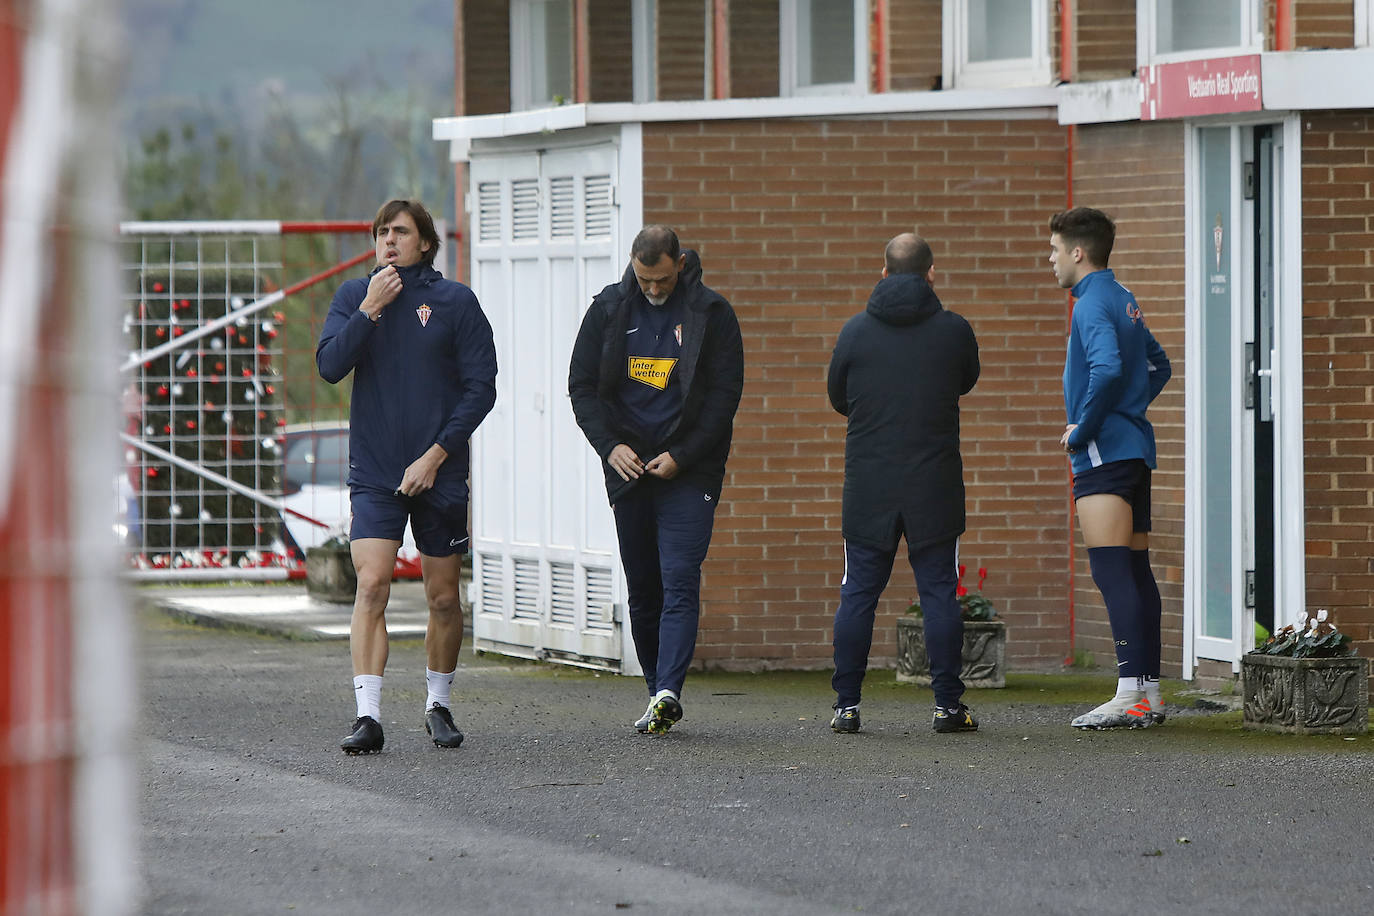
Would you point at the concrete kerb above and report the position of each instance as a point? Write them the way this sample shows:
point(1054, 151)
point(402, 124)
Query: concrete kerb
point(283, 610)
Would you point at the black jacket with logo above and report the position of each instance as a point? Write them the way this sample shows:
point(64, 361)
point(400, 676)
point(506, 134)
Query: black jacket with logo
point(897, 373)
point(710, 383)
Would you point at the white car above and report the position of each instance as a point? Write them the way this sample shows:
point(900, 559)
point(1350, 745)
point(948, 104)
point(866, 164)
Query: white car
point(315, 484)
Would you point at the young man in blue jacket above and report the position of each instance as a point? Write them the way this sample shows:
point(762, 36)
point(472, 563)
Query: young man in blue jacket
point(424, 376)
point(1113, 370)
point(656, 376)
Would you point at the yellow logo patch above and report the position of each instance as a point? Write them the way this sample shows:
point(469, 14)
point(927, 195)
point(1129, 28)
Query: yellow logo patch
point(652, 371)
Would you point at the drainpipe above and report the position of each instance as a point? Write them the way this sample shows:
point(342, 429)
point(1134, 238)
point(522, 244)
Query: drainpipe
point(460, 169)
point(582, 72)
point(1066, 68)
point(1283, 25)
point(720, 49)
point(881, 61)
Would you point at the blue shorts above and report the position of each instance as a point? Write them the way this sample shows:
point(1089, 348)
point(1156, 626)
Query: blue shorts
point(1129, 479)
point(438, 518)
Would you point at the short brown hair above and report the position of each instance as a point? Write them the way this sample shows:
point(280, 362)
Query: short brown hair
point(424, 223)
point(1086, 228)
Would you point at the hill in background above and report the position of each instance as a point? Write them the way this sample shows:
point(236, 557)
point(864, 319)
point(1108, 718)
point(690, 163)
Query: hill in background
point(271, 108)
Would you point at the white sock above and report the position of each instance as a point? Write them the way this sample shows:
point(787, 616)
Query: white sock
point(1130, 686)
point(1152, 692)
point(664, 693)
point(439, 686)
point(367, 691)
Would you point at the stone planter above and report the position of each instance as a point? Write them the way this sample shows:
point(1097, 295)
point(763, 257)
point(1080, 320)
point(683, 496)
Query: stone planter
point(1306, 696)
point(984, 655)
point(329, 574)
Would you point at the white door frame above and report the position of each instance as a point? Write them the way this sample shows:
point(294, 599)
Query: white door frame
point(1289, 539)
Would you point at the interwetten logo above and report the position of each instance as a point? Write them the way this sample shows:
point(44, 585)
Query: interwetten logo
point(652, 371)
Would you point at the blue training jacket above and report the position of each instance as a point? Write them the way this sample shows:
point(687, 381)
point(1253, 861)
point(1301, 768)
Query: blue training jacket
point(1113, 370)
point(424, 372)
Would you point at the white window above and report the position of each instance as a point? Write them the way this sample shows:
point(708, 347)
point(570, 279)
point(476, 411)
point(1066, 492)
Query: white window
point(824, 47)
point(1364, 23)
point(996, 43)
point(541, 53)
point(1187, 29)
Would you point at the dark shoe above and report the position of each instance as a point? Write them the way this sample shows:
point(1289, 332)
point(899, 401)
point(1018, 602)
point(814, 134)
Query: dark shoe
point(366, 738)
point(954, 719)
point(642, 723)
point(665, 712)
point(439, 726)
point(846, 720)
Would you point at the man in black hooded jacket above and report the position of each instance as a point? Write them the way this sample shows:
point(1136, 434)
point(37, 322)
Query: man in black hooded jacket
point(897, 372)
point(656, 376)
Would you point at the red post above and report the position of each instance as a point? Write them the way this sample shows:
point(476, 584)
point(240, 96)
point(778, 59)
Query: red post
point(37, 849)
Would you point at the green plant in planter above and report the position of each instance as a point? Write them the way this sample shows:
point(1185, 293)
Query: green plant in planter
point(972, 605)
point(1312, 636)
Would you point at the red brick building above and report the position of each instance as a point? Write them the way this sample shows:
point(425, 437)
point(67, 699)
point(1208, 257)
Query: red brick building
point(787, 141)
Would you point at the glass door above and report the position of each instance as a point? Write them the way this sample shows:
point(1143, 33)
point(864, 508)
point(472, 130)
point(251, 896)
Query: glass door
point(1243, 458)
point(1215, 446)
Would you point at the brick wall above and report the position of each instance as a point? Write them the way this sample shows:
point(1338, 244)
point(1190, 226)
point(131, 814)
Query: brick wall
point(612, 57)
point(754, 49)
point(682, 50)
point(1134, 173)
point(913, 42)
point(1104, 34)
point(485, 57)
point(791, 218)
point(1338, 366)
point(1323, 23)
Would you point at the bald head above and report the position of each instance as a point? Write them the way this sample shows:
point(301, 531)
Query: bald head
point(908, 253)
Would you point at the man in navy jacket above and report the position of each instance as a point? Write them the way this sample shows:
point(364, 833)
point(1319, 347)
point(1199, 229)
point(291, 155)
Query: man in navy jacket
point(897, 372)
point(424, 376)
point(656, 376)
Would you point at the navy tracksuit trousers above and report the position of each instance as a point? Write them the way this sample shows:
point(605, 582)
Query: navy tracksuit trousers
point(664, 529)
point(866, 571)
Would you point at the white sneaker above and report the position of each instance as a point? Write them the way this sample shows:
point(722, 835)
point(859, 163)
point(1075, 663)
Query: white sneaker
point(642, 723)
point(1129, 711)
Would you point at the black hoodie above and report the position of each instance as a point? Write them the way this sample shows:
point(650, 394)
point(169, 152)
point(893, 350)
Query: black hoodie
point(897, 373)
point(711, 380)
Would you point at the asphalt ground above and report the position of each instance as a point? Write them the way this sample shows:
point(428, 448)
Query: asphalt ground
point(750, 805)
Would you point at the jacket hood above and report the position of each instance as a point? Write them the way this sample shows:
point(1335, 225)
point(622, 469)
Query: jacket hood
point(689, 276)
point(903, 299)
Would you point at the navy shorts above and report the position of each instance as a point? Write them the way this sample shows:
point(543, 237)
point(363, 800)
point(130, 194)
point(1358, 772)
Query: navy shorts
point(438, 518)
point(1129, 479)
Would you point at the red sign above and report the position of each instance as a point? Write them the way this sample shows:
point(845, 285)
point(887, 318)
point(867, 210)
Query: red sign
point(1221, 85)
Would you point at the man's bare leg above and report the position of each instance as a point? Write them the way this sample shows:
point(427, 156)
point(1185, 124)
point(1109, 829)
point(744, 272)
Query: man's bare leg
point(373, 562)
point(443, 641)
point(1107, 520)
